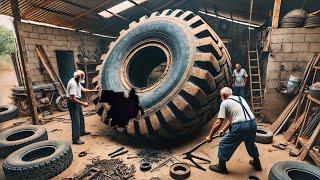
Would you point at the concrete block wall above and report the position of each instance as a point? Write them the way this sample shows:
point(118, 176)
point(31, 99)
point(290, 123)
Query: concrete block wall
point(52, 39)
point(291, 49)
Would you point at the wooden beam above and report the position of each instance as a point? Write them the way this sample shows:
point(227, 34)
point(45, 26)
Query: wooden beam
point(28, 81)
point(32, 10)
point(276, 13)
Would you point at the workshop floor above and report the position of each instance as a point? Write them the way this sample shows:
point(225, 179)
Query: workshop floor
point(104, 140)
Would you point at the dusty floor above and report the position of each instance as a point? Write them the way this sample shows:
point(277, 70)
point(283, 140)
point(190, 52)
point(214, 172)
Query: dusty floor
point(104, 140)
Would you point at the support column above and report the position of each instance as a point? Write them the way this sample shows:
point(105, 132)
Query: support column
point(276, 13)
point(28, 82)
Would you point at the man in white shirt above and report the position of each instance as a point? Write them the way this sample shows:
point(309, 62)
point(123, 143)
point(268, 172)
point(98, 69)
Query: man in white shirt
point(242, 128)
point(74, 89)
point(240, 77)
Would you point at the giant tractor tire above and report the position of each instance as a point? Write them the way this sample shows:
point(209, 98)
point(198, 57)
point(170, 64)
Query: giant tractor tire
point(191, 64)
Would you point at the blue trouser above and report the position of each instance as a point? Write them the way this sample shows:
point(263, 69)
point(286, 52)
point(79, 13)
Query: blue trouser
point(238, 132)
point(239, 91)
point(77, 119)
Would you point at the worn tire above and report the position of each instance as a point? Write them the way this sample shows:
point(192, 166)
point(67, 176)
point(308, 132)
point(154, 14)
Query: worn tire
point(187, 95)
point(61, 103)
point(8, 112)
point(264, 136)
point(18, 137)
point(180, 171)
point(26, 163)
point(286, 170)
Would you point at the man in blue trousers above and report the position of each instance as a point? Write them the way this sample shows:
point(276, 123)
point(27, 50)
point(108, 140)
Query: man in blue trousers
point(74, 89)
point(242, 128)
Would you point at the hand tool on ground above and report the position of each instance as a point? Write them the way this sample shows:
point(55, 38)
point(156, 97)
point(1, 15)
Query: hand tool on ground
point(162, 164)
point(190, 156)
point(119, 153)
point(117, 150)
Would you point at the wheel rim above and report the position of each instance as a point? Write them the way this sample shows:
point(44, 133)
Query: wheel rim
point(297, 174)
point(38, 153)
point(129, 75)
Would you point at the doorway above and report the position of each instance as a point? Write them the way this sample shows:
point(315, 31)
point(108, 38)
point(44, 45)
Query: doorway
point(66, 66)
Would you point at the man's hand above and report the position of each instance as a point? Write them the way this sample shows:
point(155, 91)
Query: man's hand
point(208, 138)
point(85, 104)
point(221, 133)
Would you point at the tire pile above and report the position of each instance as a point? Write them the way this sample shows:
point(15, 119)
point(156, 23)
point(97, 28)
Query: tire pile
point(30, 155)
point(312, 21)
point(294, 19)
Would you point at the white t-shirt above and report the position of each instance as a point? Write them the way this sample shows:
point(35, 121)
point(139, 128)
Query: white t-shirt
point(74, 88)
point(232, 110)
point(239, 77)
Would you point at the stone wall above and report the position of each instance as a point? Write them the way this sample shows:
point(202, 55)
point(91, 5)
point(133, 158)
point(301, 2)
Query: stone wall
point(291, 49)
point(53, 39)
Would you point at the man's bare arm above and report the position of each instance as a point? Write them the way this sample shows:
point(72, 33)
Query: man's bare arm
point(216, 126)
point(89, 90)
point(75, 100)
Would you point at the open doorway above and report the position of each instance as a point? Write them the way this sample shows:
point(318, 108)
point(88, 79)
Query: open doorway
point(66, 66)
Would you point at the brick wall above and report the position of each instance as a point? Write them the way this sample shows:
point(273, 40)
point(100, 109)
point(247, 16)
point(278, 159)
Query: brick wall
point(52, 39)
point(291, 49)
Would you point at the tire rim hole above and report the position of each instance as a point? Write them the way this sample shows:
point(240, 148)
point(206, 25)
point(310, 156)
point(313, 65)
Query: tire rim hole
point(180, 169)
point(296, 174)
point(147, 66)
point(20, 135)
point(3, 109)
point(38, 154)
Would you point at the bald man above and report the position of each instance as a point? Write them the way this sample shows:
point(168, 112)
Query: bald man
point(239, 77)
point(74, 89)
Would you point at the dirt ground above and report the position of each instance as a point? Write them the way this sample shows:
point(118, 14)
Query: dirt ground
point(7, 80)
point(105, 140)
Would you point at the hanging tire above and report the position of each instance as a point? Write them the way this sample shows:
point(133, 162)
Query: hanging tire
point(62, 103)
point(186, 94)
point(8, 112)
point(18, 137)
point(288, 170)
point(264, 136)
point(41, 160)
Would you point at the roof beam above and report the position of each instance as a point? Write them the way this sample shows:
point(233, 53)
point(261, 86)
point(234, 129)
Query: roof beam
point(32, 10)
point(74, 4)
point(140, 6)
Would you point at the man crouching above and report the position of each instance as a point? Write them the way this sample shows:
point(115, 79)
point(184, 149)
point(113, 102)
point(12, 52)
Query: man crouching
point(242, 128)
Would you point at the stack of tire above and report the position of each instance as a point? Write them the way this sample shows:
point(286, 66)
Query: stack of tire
point(30, 155)
point(186, 96)
point(312, 21)
point(294, 19)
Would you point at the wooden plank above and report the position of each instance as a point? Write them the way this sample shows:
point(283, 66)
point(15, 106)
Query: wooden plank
point(293, 128)
point(284, 114)
point(28, 82)
point(276, 13)
point(33, 9)
point(315, 156)
point(47, 65)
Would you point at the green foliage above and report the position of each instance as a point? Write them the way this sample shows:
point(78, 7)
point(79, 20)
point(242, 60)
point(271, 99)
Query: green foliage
point(6, 41)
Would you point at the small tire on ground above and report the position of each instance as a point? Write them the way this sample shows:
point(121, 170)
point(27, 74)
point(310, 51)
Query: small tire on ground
point(180, 171)
point(41, 160)
point(61, 103)
point(18, 137)
point(145, 166)
point(264, 136)
point(8, 112)
point(288, 170)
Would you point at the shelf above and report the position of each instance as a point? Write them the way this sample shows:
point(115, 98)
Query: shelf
point(313, 99)
point(315, 156)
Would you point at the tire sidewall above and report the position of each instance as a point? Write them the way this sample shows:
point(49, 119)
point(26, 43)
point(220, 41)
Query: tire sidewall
point(182, 60)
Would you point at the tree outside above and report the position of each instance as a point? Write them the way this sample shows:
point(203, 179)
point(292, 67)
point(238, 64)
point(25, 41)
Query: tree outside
point(6, 48)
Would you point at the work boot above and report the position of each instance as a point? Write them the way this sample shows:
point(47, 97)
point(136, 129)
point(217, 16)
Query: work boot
point(85, 133)
point(255, 163)
point(77, 141)
point(219, 168)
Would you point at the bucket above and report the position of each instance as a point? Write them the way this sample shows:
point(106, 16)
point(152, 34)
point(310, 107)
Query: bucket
point(293, 83)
